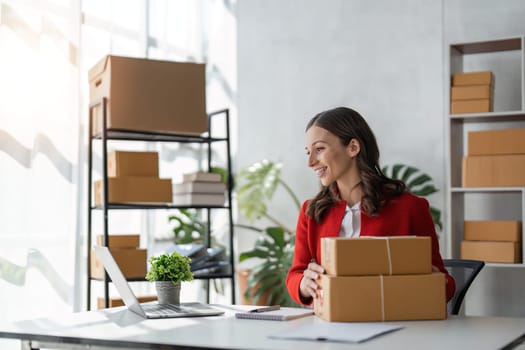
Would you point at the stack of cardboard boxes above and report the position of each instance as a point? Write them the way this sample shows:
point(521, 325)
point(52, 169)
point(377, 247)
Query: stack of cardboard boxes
point(492, 241)
point(133, 177)
point(496, 158)
point(200, 188)
point(471, 92)
point(129, 257)
point(379, 279)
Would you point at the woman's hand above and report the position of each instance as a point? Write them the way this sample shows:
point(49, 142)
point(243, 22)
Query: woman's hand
point(308, 286)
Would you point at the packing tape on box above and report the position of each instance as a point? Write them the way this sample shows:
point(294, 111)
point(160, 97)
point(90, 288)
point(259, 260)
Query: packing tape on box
point(382, 297)
point(389, 256)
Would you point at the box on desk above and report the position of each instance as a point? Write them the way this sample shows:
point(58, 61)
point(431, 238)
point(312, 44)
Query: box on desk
point(376, 255)
point(126, 163)
point(382, 298)
point(132, 263)
point(494, 171)
point(492, 230)
point(494, 142)
point(114, 301)
point(135, 189)
point(149, 95)
point(120, 241)
point(491, 251)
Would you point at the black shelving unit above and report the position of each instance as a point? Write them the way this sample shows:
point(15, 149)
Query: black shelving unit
point(107, 135)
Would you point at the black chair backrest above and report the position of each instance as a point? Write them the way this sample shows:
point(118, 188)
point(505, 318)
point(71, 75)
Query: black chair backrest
point(464, 273)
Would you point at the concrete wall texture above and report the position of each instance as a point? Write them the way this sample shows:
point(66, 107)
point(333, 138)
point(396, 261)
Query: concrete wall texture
point(384, 58)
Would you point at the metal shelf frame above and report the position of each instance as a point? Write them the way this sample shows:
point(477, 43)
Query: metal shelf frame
point(106, 135)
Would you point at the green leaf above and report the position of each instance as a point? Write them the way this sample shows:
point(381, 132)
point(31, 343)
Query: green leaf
point(409, 170)
point(425, 191)
point(277, 234)
point(187, 224)
point(222, 171)
point(254, 253)
point(436, 217)
point(395, 170)
point(421, 179)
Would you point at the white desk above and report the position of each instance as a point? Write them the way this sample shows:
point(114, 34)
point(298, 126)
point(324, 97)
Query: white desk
point(120, 328)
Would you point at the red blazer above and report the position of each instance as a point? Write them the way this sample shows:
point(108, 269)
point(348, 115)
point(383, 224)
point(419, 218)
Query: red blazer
point(404, 215)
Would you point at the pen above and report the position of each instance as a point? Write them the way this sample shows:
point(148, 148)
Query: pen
point(267, 308)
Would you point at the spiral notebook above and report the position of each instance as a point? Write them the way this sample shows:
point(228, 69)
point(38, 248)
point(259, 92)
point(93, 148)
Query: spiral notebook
point(283, 314)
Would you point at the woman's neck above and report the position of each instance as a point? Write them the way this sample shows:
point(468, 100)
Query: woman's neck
point(352, 193)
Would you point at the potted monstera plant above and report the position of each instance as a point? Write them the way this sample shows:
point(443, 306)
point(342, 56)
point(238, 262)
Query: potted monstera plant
point(168, 271)
point(273, 250)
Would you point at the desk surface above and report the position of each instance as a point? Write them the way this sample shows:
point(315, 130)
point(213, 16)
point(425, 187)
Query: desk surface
point(119, 327)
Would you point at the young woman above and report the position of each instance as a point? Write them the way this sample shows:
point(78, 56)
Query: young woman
point(356, 199)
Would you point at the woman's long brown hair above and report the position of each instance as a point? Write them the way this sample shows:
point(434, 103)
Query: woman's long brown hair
point(377, 188)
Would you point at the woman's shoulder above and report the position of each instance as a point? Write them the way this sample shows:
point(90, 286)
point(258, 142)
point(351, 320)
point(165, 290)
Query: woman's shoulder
point(339, 205)
point(410, 199)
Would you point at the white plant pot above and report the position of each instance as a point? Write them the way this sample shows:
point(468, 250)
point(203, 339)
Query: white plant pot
point(167, 292)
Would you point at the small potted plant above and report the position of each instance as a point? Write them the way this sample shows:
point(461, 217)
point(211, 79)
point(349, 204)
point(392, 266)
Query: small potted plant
point(168, 271)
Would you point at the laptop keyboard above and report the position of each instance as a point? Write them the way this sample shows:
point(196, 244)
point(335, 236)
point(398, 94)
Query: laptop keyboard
point(165, 309)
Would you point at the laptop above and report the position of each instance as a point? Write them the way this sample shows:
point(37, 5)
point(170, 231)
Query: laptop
point(152, 309)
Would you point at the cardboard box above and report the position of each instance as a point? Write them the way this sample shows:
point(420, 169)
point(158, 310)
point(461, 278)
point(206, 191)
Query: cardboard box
point(125, 163)
point(114, 302)
point(473, 78)
point(495, 142)
point(120, 241)
point(509, 231)
point(135, 190)
point(376, 255)
point(497, 252)
point(149, 95)
point(132, 263)
point(382, 298)
point(471, 106)
point(494, 171)
point(473, 92)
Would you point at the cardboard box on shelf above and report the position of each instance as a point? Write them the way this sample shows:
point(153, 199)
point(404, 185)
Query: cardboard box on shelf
point(471, 106)
point(495, 142)
point(114, 301)
point(120, 241)
point(494, 171)
point(473, 78)
point(382, 298)
point(132, 263)
point(376, 255)
point(489, 251)
point(135, 190)
point(472, 92)
point(149, 95)
point(492, 230)
point(126, 163)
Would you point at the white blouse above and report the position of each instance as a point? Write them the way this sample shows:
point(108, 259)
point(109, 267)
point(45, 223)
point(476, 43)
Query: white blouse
point(351, 224)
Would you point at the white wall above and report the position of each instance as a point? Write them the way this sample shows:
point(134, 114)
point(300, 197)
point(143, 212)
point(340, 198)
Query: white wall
point(384, 58)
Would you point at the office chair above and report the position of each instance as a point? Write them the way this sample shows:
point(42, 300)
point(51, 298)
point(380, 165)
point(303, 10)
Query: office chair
point(464, 273)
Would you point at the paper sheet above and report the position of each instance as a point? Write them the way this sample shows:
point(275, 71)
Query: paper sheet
point(337, 332)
